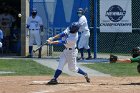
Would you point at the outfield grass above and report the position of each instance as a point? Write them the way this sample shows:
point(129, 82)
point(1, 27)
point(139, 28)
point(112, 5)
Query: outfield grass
point(24, 67)
point(115, 69)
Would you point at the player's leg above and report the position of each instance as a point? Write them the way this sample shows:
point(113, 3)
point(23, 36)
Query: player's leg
point(39, 53)
point(80, 71)
point(31, 41)
point(114, 59)
point(30, 51)
point(86, 46)
point(81, 47)
point(82, 54)
point(38, 41)
point(72, 64)
point(60, 67)
point(58, 71)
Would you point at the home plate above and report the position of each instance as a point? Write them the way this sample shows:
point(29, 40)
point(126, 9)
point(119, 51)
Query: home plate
point(44, 91)
point(39, 82)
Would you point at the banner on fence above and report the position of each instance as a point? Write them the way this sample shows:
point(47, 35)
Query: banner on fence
point(115, 16)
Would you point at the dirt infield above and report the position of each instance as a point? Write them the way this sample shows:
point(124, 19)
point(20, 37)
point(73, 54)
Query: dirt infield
point(29, 84)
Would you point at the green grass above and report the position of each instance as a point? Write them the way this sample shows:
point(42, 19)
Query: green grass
point(24, 67)
point(116, 69)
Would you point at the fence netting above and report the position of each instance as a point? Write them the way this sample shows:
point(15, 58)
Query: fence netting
point(107, 43)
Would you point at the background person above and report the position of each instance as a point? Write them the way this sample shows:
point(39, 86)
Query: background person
point(35, 25)
point(135, 57)
point(1, 38)
point(15, 40)
point(6, 23)
point(85, 34)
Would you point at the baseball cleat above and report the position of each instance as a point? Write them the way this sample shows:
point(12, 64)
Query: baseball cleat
point(88, 58)
point(81, 58)
point(39, 56)
point(113, 59)
point(29, 56)
point(52, 82)
point(87, 78)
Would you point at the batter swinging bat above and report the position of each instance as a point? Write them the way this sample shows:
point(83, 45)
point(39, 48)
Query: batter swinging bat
point(40, 46)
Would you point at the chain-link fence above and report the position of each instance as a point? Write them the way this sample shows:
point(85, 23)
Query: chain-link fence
point(107, 43)
point(57, 15)
point(116, 43)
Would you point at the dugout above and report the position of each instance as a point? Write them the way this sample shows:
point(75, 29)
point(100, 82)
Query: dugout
point(14, 41)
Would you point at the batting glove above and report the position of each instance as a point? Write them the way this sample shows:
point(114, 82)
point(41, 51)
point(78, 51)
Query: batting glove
point(49, 41)
point(51, 38)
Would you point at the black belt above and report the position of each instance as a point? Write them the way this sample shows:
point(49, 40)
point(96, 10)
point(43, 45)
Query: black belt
point(70, 48)
point(84, 31)
point(33, 29)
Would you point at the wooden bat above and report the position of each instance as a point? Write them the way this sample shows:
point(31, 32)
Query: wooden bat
point(40, 46)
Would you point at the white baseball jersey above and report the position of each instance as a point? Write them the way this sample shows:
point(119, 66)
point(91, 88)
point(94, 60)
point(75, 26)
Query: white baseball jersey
point(70, 39)
point(34, 30)
point(34, 23)
point(69, 54)
point(85, 34)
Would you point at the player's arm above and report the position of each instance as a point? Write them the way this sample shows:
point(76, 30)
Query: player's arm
point(64, 33)
point(27, 26)
point(41, 24)
point(57, 42)
point(41, 28)
point(1, 35)
point(27, 30)
point(60, 42)
point(82, 21)
point(27, 23)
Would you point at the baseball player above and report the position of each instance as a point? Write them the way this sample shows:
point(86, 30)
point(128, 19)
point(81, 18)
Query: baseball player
point(1, 38)
point(69, 54)
point(85, 34)
point(6, 23)
point(135, 57)
point(34, 25)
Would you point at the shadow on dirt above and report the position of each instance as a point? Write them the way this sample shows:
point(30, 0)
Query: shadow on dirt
point(45, 83)
point(131, 84)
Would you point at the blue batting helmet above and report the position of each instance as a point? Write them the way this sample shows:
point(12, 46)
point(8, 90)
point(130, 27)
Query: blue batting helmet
point(81, 11)
point(74, 27)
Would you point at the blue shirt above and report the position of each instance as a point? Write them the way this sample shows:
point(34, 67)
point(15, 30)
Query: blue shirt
point(1, 35)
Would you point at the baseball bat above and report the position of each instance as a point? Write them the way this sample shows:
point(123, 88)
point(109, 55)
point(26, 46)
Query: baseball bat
point(86, 9)
point(40, 46)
